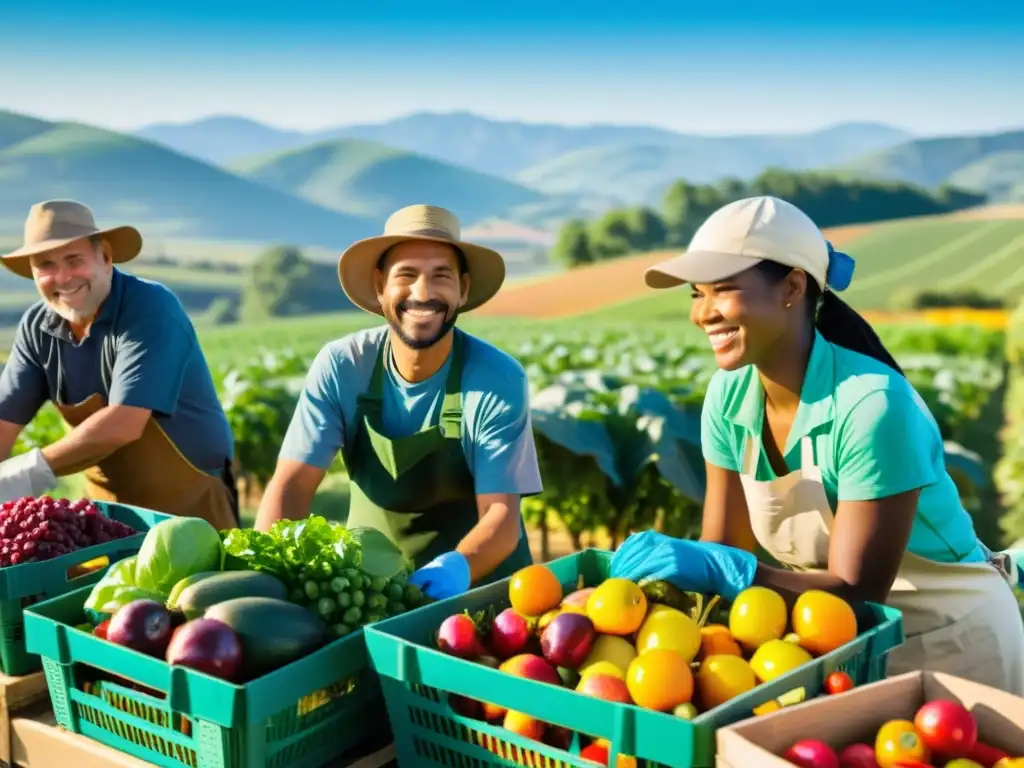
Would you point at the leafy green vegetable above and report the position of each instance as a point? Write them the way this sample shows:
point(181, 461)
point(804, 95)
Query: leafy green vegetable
point(381, 557)
point(174, 549)
point(116, 588)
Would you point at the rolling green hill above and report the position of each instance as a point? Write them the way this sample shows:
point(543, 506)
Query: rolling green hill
point(990, 163)
point(127, 179)
point(366, 178)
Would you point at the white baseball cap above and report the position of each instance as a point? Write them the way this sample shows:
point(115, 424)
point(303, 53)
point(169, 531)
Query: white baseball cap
point(746, 232)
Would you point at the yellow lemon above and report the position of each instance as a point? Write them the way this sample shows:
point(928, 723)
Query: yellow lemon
point(758, 614)
point(724, 677)
point(617, 607)
point(604, 668)
point(777, 657)
point(608, 648)
point(670, 629)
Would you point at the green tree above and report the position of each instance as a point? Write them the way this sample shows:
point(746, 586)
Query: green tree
point(572, 247)
point(611, 235)
point(648, 230)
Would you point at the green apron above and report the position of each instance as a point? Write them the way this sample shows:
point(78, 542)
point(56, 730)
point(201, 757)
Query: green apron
point(418, 490)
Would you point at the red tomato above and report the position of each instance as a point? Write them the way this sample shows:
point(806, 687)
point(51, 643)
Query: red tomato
point(810, 753)
point(858, 756)
point(838, 682)
point(597, 753)
point(911, 764)
point(946, 727)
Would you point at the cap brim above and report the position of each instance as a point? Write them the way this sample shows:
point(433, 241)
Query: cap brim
point(697, 267)
point(356, 266)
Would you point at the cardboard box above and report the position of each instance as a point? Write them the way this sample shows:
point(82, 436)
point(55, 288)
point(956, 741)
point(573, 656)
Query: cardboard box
point(856, 716)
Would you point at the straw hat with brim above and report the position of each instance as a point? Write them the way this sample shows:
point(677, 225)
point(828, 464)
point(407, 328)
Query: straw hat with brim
point(419, 222)
point(55, 223)
point(742, 234)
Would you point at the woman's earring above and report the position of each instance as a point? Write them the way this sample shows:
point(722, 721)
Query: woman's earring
point(789, 304)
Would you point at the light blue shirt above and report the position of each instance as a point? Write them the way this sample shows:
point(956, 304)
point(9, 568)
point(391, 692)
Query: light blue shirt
point(873, 437)
point(497, 433)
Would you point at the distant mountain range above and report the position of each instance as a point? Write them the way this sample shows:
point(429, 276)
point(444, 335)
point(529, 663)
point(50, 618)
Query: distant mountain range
point(600, 160)
point(226, 178)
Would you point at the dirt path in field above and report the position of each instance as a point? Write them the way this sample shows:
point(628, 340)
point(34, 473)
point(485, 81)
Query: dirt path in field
point(588, 289)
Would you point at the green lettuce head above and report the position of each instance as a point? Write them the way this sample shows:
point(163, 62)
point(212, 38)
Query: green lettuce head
point(174, 549)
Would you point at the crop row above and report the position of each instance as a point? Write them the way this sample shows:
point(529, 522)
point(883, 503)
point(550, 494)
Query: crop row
point(616, 415)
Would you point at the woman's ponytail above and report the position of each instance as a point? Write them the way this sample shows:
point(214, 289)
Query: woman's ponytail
point(840, 324)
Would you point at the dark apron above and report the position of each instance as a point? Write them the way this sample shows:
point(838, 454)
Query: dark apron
point(418, 490)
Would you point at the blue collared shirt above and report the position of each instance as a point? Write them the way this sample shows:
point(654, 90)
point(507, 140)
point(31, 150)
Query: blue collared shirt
point(156, 364)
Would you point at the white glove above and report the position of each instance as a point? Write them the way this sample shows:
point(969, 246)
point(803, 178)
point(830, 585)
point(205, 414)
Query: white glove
point(27, 474)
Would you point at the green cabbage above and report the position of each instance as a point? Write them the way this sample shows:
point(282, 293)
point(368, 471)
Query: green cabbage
point(174, 549)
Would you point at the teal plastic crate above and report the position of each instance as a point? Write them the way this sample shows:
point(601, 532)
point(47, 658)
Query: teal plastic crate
point(325, 706)
point(27, 584)
point(416, 680)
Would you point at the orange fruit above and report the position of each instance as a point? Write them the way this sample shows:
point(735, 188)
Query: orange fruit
point(716, 640)
point(617, 607)
point(660, 679)
point(823, 621)
point(534, 590)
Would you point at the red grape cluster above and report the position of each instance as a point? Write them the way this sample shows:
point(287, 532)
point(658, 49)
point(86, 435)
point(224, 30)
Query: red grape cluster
point(41, 529)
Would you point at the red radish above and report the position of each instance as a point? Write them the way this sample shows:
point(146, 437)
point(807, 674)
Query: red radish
point(206, 645)
point(509, 634)
point(810, 753)
point(457, 636)
point(946, 727)
point(858, 756)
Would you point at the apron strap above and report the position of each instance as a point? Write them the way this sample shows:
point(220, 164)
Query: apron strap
point(806, 452)
point(751, 455)
point(451, 408)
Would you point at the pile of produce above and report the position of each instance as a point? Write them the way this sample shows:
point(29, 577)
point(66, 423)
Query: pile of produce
point(654, 646)
point(36, 529)
point(240, 605)
point(942, 734)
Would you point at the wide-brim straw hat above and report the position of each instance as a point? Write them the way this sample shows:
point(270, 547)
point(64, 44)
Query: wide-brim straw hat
point(419, 222)
point(55, 223)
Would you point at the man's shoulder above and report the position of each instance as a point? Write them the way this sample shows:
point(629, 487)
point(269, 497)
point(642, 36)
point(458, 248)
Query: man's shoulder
point(351, 355)
point(30, 327)
point(488, 364)
point(148, 298)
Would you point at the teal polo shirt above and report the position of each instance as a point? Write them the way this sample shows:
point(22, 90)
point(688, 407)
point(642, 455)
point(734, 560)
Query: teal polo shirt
point(873, 437)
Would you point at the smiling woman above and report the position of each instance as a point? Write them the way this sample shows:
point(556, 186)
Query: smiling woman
point(819, 450)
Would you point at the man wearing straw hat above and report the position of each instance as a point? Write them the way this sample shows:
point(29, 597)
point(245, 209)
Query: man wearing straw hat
point(119, 359)
point(433, 424)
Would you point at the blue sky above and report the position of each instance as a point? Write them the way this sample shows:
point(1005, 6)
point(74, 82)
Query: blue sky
point(719, 67)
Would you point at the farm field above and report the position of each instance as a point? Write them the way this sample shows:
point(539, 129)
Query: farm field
point(941, 253)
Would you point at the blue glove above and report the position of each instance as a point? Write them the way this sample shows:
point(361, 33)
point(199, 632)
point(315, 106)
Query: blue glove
point(446, 575)
point(693, 566)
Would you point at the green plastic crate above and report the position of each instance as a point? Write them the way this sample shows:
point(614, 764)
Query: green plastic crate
point(319, 708)
point(27, 584)
point(416, 679)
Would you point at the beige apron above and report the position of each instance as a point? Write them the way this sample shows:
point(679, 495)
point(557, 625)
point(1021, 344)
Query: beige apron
point(959, 618)
point(152, 473)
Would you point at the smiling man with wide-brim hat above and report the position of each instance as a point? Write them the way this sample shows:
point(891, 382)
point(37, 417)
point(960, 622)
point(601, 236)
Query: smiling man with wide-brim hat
point(429, 223)
point(433, 423)
point(120, 361)
point(54, 224)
